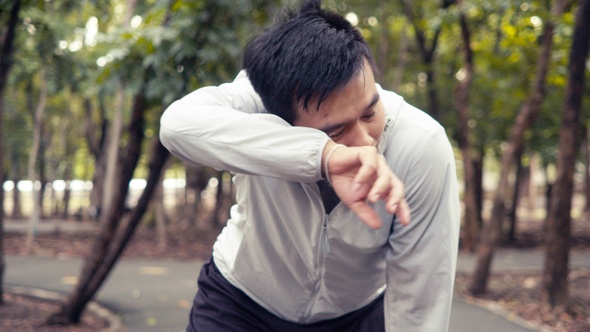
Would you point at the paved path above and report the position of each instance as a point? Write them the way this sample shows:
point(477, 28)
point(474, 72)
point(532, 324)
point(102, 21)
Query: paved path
point(155, 295)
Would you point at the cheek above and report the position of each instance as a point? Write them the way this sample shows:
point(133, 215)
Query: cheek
point(377, 128)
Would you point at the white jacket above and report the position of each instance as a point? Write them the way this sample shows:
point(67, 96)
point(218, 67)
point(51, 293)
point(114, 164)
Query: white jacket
point(279, 246)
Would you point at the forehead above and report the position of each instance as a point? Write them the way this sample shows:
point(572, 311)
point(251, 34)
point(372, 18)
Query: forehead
point(346, 103)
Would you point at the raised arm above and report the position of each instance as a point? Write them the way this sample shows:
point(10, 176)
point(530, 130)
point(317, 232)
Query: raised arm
point(226, 127)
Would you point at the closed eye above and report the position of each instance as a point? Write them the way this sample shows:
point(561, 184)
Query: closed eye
point(368, 116)
point(336, 134)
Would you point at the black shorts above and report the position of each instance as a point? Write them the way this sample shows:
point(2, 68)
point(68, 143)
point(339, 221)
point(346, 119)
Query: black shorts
point(221, 307)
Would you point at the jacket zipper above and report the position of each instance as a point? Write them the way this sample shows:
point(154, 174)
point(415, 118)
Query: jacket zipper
point(324, 248)
point(325, 243)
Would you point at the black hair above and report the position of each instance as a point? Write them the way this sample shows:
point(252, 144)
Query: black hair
point(308, 55)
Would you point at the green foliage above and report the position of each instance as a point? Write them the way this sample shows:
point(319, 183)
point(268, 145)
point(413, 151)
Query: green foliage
point(172, 47)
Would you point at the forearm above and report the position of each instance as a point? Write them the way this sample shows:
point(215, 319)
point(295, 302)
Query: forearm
point(222, 127)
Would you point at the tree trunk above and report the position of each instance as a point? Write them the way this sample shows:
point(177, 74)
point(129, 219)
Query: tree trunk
point(65, 212)
point(400, 66)
point(555, 273)
point(17, 207)
point(511, 237)
point(33, 155)
point(2, 262)
point(112, 155)
point(158, 158)
point(586, 153)
point(223, 200)
point(113, 139)
point(427, 53)
point(7, 47)
point(383, 49)
point(493, 228)
point(42, 171)
point(96, 145)
point(532, 190)
point(471, 215)
point(548, 190)
point(197, 179)
point(96, 267)
point(6, 51)
point(160, 212)
point(479, 192)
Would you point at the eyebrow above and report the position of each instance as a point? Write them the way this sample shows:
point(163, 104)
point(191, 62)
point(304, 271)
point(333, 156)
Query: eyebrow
point(332, 127)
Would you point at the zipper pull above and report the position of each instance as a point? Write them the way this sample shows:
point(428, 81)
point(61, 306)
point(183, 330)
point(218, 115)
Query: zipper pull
point(325, 229)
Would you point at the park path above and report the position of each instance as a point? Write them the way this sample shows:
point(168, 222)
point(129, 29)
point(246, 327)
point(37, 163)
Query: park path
point(156, 294)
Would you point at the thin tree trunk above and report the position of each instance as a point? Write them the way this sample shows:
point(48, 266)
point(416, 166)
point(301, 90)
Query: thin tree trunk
point(586, 153)
point(515, 199)
point(479, 191)
point(33, 155)
point(471, 215)
point(6, 51)
point(112, 155)
point(96, 142)
point(2, 262)
point(556, 272)
point(223, 200)
point(113, 139)
point(383, 48)
point(158, 158)
point(533, 191)
point(548, 194)
point(160, 212)
point(65, 212)
point(402, 59)
point(67, 172)
point(427, 53)
point(7, 47)
point(197, 179)
point(42, 171)
point(17, 209)
point(95, 268)
point(493, 228)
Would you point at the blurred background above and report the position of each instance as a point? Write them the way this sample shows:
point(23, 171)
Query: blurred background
point(84, 83)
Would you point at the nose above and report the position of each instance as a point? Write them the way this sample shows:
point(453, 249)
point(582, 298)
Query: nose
point(361, 135)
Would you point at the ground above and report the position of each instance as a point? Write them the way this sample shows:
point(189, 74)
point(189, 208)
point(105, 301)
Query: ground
point(517, 295)
point(22, 313)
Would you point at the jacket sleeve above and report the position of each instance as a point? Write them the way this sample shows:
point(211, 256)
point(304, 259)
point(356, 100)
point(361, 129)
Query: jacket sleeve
point(227, 127)
point(422, 256)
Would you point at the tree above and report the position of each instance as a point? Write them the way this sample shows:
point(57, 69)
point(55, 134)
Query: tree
point(188, 39)
point(96, 267)
point(427, 51)
point(555, 274)
point(471, 214)
point(33, 158)
point(7, 49)
point(115, 130)
point(493, 228)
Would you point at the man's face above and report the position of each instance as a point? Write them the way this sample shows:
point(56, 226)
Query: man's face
point(352, 115)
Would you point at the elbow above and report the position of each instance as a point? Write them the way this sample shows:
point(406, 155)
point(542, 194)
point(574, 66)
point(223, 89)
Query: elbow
point(170, 125)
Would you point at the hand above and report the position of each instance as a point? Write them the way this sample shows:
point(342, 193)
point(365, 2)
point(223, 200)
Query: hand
point(361, 174)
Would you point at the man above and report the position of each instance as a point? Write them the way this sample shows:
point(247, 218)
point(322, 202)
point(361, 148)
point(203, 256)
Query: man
point(324, 236)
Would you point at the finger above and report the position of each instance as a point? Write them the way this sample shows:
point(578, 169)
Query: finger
point(396, 195)
point(368, 170)
point(384, 183)
point(366, 214)
point(404, 213)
